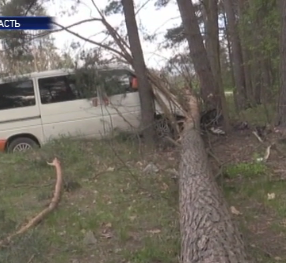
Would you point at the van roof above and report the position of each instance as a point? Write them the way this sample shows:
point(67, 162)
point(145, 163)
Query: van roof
point(48, 73)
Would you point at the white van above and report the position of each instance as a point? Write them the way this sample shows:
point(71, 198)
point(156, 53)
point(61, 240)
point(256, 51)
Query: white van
point(41, 106)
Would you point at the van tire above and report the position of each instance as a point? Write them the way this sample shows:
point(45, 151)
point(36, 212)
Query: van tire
point(21, 142)
point(162, 127)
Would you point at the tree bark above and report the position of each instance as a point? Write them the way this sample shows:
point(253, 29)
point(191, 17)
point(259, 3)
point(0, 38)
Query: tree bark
point(256, 79)
point(281, 118)
point(144, 86)
point(213, 52)
point(239, 77)
point(246, 54)
point(209, 88)
point(211, 37)
point(208, 234)
point(229, 49)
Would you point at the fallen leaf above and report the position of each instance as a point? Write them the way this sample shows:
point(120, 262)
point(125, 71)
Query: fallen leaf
point(106, 235)
point(62, 233)
point(235, 211)
point(132, 218)
point(271, 196)
point(139, 163)
point(154, 231)
point(151, 168)
point(165, 186)
point(109, 225)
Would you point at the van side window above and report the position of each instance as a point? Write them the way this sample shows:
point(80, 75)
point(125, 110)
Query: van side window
point(17, 94)
point(83, 84)
point(57, 89)
point(117, 82)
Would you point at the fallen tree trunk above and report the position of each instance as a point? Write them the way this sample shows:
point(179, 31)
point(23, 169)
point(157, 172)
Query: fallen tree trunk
point(208, 234)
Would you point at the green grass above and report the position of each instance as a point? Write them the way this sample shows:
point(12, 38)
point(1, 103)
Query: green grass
point(133, 215)
point(263, 219)
point(258, 115)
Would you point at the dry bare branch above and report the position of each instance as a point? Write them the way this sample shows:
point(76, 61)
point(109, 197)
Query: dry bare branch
point(93, 42)
point(53, 204)
point(116, 37)
point(46, 33)
point(257, 136)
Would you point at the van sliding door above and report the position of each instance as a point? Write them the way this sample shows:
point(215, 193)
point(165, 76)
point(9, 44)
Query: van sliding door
point(65, 111)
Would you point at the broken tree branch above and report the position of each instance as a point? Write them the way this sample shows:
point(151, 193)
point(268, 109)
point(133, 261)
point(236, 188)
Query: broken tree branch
point(93, 42)
point(257, 136)
point(46, 33)
point(117, 38)
point(53, 204)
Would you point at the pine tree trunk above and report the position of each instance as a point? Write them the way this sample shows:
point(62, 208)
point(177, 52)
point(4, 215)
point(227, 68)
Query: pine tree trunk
point(246, 54)
point(144, 86)
point(213, 51)
point(209, 87)
point(208, 234)
point(239, 76)
point(282, 98)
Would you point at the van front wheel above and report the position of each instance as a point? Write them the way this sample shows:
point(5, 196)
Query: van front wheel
point(162, 128)
point(21, 144)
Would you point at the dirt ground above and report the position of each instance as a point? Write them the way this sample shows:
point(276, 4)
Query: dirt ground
point(249, 183)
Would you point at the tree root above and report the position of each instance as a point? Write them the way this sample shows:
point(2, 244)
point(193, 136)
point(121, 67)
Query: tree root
point(39, 217)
